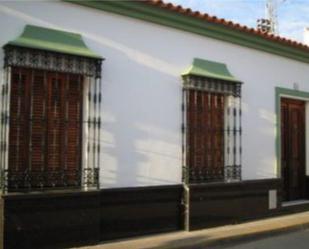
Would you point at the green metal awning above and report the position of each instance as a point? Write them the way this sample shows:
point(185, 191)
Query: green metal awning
point(53, 40)
point(209, 69)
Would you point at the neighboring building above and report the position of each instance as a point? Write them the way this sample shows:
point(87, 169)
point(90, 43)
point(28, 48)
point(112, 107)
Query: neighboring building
point(122, 118)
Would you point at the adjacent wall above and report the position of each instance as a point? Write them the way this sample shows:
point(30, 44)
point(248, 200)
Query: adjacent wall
point(141, 138)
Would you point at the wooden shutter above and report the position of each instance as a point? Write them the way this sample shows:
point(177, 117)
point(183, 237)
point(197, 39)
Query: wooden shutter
point(45, 128)
point(205, 121)
point(38, 130)
point(73, 124)
point(19, 115)
point(54, 124)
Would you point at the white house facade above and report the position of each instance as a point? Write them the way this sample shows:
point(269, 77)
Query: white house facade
point(142, 117)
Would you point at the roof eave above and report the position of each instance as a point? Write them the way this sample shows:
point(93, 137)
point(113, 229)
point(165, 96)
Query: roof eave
point(152, 13)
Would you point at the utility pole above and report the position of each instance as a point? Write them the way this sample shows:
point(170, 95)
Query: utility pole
point(271, 14)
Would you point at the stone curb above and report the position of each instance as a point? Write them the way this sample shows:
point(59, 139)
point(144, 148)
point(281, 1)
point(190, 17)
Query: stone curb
point(220, 236)
point(252, 236)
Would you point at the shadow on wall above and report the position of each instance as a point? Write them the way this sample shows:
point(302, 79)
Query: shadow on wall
point(141, 135)
point(141, 129)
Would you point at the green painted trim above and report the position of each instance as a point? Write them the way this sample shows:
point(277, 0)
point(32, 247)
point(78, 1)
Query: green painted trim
point(168, 18)
point(209, 69)
point(53, 40)
point(283, 92)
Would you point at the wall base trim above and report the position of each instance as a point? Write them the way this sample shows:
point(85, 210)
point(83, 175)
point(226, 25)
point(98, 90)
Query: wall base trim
point(77, 218)
point(88, 217)
point(217, 204)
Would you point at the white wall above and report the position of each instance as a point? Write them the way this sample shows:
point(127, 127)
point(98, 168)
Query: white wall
point(141, 136)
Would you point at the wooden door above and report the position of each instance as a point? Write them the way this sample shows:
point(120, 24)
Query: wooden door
point(293, 148)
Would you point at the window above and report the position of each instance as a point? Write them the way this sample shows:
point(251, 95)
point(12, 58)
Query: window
point(50, 112)
point(212, 124)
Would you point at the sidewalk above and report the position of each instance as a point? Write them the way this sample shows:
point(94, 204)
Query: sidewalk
point(213, 236)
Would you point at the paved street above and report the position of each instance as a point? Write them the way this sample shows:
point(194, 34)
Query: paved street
point(294, 240)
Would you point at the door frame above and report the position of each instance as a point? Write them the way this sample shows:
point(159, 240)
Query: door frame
point(297, 95)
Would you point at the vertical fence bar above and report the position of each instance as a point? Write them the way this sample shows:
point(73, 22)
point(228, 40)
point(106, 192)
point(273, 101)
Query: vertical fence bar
point(89, 124)
point(85, 129)
point(206, 130)
point(200, 134)
point(66, 120)
point(240, 139)
point(237, 139)
point(95, 125)
point(19, 89)
point(221, 131)
point(99, 130)
point(212, 111)
point(2, 128)
point(236, 165)
point(44, 142)
point(90, 127)
point(228, 138)
point(1, 135)
point(6, 125)
point(234, 131)
point(2, 93)
point(183, 156)
point(30, 122)
point(79, 125)
point(55, 92)
point(187, 136)
point(193, 133)
point(45, 124)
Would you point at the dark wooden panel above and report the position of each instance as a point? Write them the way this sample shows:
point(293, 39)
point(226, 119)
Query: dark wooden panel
point(80, 218)
point(1, 223)
point(137, 211)
point(51, 220)
point(307, 187)
point(226, 203)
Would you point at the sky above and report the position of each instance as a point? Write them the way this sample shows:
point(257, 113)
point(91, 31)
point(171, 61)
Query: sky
point(293, 15)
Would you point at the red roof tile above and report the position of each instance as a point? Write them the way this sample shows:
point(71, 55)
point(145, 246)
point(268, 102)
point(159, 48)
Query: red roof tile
point(226, 23)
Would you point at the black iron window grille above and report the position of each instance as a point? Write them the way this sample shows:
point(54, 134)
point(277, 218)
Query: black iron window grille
point(87, 74)
point(211, 130)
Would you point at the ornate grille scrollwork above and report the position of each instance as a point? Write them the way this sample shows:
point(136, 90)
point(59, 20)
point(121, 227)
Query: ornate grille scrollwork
point(211, 130)
point(51, 61)
point(44, 180)
point(212, 85)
